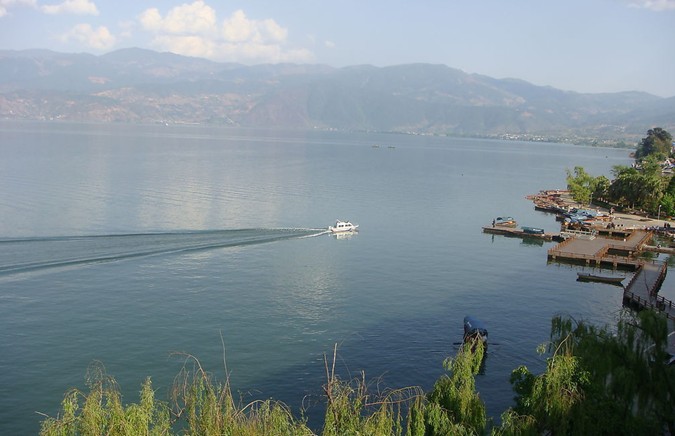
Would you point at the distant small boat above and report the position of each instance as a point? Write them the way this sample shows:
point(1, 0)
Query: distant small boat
point(474, 329)
point(504, 221)
point(585, 277)
point(343, 226)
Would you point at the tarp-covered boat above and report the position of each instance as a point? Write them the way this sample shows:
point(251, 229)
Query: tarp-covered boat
point(504, 221)
point(533, 230)
point(474, 329)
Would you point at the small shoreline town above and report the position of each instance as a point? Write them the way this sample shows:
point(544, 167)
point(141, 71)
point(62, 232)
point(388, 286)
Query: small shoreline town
point(597, 231)
point(600, 237)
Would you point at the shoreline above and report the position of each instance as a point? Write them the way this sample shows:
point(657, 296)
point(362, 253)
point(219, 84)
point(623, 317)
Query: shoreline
point(558, 201)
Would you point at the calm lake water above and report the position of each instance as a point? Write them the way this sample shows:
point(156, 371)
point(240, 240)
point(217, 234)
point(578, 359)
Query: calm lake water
point(125, 244)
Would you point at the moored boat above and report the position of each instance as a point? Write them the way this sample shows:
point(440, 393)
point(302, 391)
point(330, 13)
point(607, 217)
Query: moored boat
point(343, 226)
point(586, 277)
point(532, 230)
point(504, 221)
point(474, 329)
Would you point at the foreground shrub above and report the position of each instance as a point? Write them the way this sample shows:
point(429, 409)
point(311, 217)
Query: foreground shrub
point(202, 406)
point(102, 413)
point(597, 381)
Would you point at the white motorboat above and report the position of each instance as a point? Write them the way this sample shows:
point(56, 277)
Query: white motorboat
point(343, 226)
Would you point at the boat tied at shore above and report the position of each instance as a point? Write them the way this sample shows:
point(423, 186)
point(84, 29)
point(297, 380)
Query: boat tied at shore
point(586, 277)
point(504, 221)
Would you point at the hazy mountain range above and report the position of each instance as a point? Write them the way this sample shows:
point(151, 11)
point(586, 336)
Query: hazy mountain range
point(135, 85)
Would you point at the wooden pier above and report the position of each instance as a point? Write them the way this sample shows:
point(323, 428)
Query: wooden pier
point(602, 251)
point(642, 290)
point(517, 233)
point(617, 246)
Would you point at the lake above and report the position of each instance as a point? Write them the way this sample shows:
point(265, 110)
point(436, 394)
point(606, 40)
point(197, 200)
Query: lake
point(127, 244)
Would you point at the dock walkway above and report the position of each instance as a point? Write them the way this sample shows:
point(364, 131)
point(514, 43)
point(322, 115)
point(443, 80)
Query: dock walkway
point(508, 231)
point(602, 250)
point(642, 290)
point(641, 293)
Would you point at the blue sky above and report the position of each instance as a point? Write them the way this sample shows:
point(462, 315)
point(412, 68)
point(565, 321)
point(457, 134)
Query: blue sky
point(576, 45)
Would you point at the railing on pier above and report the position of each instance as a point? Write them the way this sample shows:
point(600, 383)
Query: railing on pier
point(601, 257)
point(659, 304)
point(650, 299)
point(657, 283)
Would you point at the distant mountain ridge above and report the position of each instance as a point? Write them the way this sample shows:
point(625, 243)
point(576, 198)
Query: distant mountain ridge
point(137, 85)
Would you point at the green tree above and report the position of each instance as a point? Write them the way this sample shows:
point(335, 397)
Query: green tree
point(553, 398)
point(584, 187)
point(667, 205)
point(624, 186)
point(598, 381)
point(581, 185)
point(638, 188)
point(668, 200)
point(658, 142)
point(601, 188)
point(453, 406)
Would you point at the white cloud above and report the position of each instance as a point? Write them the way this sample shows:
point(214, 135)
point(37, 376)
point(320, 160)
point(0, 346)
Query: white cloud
point(78, 7)
point(151, 20)
point(238, 28)
point(195, 18)
point(99, 38)
point(193, 30)
point(6, 5)
point(654, 5)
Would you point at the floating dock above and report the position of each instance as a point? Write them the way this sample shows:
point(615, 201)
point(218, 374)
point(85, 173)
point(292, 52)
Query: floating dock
point(517, 233)
point(602, 251)
point(642, 290)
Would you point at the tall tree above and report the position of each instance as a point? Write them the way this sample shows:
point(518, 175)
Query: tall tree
point(581, 184)
point(657, 142)
point(639, 188)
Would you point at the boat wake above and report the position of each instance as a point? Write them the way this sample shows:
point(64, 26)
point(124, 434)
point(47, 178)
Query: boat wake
point(22, 255)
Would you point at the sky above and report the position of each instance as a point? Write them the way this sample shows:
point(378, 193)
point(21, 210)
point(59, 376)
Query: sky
point(589, 46)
